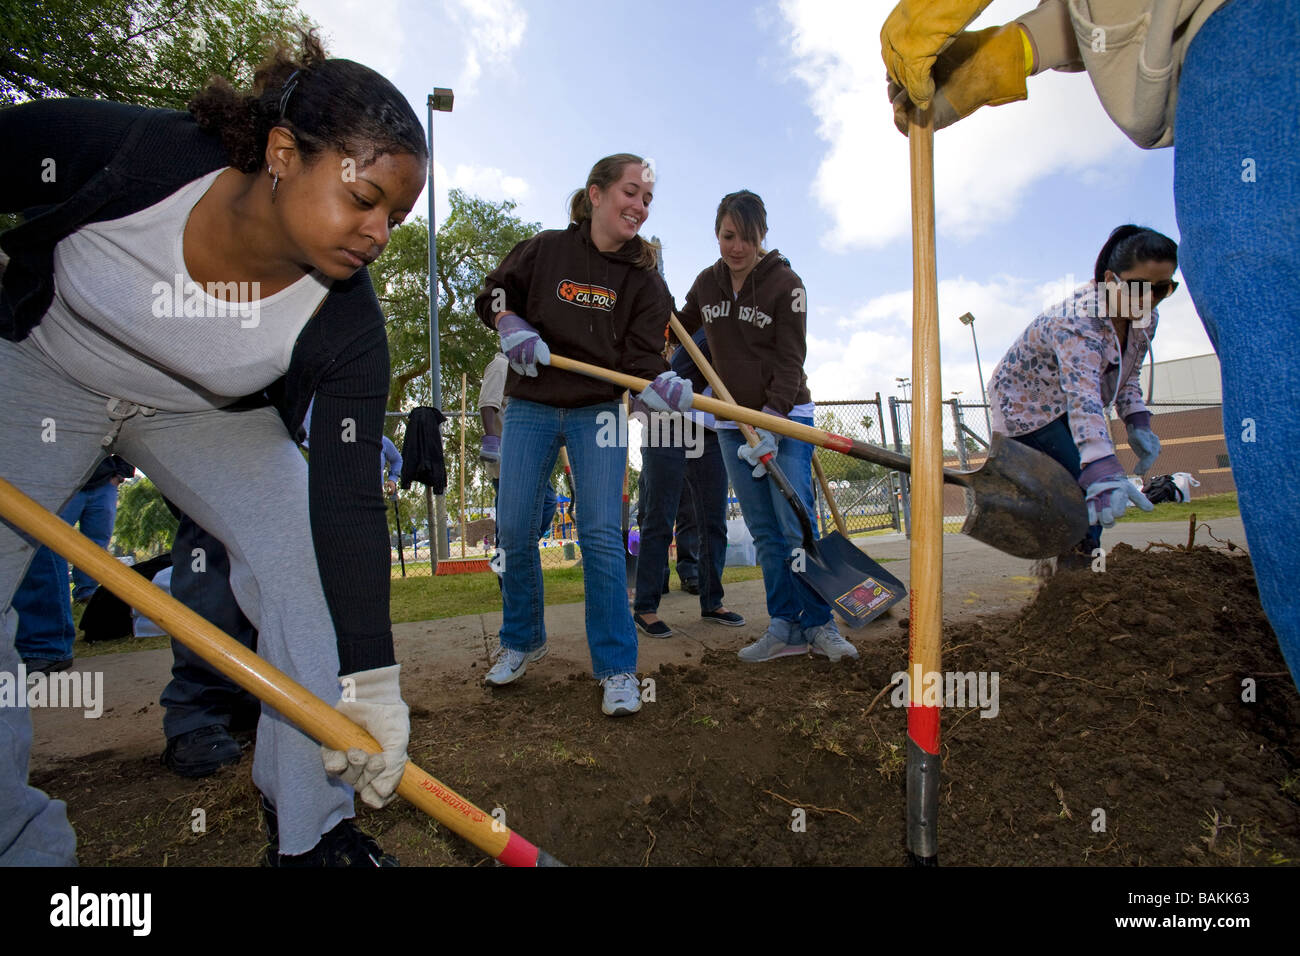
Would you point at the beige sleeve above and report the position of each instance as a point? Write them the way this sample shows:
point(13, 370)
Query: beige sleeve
point(1052, 35)
point(492, 393)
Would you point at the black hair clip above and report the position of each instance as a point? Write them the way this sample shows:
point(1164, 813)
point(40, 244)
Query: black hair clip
point(289, 86)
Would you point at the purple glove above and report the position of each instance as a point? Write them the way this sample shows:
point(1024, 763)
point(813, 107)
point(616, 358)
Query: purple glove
point(669, 392)
point(522, 345)
point(634, 541)
point(491, 448)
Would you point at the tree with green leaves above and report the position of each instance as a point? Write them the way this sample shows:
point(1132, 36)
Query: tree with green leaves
point(473, 239)
point(145, 526)
point(150, 52)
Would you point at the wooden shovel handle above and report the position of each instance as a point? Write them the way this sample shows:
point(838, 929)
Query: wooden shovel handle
point(703, 365)
point(309, 713)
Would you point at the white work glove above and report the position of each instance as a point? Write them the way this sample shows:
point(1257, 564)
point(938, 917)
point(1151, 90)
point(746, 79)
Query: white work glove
point(378, 707)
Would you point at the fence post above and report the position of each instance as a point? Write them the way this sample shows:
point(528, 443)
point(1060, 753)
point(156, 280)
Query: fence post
point(903, 485)
point(960, 437)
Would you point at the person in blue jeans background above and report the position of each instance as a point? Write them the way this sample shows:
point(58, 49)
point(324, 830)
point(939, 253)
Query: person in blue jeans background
point(46, 633)
point(1218, 81)
point(593, 293)
point(683, 487)
point(753, 308)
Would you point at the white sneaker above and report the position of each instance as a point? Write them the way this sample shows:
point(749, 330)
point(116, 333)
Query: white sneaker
point(622, 695)
point(829, 642)
point(512, 665)
point(773, 644)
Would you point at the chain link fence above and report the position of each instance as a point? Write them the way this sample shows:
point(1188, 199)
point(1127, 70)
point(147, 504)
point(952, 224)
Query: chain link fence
point(469, 510)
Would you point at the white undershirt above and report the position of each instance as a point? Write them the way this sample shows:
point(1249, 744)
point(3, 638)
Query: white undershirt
point(127, 320)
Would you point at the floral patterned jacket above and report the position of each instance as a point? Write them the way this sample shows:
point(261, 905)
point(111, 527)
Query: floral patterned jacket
point(1068, 362)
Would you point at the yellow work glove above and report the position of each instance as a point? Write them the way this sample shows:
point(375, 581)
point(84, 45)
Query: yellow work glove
point(915, 33)
point(984, 68)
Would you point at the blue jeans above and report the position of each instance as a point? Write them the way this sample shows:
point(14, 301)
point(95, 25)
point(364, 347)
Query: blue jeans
point(45, 628)
point(530, 443)
point(687, 532)
point(776, 531)
point(95, 511)
point(44, 607)
point(674, 487)
point(1057, 442)
point(1237, 197)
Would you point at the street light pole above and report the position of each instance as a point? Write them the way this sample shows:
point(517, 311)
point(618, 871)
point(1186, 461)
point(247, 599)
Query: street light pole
point(440, 100)
point(969, 319)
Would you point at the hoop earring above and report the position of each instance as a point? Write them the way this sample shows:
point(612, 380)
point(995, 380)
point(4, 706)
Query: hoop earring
point(275, 181)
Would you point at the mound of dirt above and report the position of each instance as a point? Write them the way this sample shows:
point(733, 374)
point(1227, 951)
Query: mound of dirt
point(1142, 716)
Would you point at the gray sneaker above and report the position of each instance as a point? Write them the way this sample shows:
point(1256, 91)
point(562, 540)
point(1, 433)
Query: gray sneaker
point(622, 695)
point(829, 642)
point(773, 644)
point(512, 665)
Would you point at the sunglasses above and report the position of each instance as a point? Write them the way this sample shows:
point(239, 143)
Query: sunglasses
point(1159, 290)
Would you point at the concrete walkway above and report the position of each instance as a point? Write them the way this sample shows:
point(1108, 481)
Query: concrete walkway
point(436, 656)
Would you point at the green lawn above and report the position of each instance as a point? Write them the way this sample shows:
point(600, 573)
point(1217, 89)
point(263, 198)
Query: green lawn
point(451, 595)
point(1211, 506)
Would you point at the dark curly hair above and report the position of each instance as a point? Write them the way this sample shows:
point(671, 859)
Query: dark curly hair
point(1128, 245)
point(325, 103)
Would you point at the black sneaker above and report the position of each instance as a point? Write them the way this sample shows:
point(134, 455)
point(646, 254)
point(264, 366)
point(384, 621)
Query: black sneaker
point(345, 845)
point(691, 587)
point(202, 752)
point(46, 665)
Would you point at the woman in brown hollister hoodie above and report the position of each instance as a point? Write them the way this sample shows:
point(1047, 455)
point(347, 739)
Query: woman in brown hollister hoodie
point(754, 308)
point(592, 293)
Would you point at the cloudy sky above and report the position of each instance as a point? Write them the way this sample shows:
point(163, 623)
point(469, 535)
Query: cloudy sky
point(784, 97)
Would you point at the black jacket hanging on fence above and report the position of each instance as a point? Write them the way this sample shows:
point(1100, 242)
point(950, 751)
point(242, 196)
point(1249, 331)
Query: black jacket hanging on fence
point(422, 458)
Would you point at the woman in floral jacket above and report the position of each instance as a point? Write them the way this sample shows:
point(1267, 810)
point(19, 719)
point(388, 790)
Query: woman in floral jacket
point(1052, 388)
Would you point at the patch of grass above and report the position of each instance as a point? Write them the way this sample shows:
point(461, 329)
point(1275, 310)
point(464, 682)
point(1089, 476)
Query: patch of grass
point(426, 598)
point(1211, 506)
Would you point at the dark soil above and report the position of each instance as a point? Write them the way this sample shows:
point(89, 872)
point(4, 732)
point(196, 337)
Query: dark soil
point(1125, 692)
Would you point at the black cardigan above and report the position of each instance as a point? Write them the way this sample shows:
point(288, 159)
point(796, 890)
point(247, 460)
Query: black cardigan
point(65, 163)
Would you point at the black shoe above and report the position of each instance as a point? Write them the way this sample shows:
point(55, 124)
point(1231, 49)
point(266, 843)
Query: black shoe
point(202, 752)
point(729, 618)
point(46, 665)
point(657, 629)
point(691, 587)
point(345, 845)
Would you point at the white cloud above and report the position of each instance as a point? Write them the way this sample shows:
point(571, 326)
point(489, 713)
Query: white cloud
point(485, 181)
point(983, 165)
point(495, 29)
point(854, 355)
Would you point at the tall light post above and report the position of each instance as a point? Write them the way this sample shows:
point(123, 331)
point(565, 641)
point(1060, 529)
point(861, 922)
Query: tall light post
point(969, 319)
point(905, 384)
point(440, 100)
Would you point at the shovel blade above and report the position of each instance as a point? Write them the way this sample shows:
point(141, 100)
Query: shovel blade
point(1026, 503)
point(859, 589)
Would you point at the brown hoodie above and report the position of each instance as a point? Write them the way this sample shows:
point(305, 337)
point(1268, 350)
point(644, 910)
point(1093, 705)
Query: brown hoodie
point(757, 337)
point(587, 305)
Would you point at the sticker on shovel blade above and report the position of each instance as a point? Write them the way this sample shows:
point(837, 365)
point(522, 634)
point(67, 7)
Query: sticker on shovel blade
point(864, 598)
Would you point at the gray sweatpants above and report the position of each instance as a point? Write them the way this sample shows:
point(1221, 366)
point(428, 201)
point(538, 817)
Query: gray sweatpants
point(240, 476)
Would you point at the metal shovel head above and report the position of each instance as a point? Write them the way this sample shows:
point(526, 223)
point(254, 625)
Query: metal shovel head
point(858, 588)
point(1026, 503)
